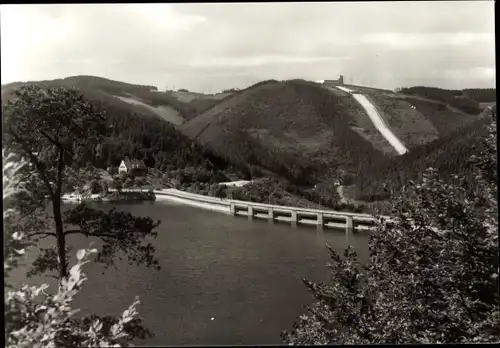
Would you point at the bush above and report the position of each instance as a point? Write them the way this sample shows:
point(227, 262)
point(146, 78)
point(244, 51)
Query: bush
point(359, 209)
point(117, 184)
point(432, 277)
point(95, 186)
point(339, 207)
point(220, 191)
point(140, 181)
point(128, 183)
point(104, 187)
point(34, 318)
point(230, 90)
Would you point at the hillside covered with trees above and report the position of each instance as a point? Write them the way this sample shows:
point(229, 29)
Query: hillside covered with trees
point(449, 155)
point(295, 129)
point(110, 91)
point(307, 138)
point(312, 135)
point(432, 275)
point(137, 135)
point(467, 100)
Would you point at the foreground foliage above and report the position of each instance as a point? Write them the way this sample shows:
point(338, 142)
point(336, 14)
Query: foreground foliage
point(36, 319)
point(433, 276)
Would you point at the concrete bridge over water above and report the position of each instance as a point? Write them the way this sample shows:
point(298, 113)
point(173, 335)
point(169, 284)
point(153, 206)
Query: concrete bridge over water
point(274, 213)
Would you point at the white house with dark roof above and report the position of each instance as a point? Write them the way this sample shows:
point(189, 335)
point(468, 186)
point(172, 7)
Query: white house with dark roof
point(128, 164)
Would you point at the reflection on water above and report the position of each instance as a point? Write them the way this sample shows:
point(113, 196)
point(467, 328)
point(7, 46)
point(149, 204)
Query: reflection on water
point(246, 275)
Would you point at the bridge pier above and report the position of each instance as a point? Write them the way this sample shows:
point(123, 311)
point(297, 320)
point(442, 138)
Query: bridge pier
point(250, 212)
point(271, 215)
point(293, 219)
point(320, 219)
point(349, 224)
point(232, 209)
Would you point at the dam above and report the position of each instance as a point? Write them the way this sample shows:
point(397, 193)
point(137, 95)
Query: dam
point(274, 213)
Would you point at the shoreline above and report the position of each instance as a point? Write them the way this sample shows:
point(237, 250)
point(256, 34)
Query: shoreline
point(112, 196)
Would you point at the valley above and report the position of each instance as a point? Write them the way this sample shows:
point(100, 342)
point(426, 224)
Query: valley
point(302, 143)
point(281, 173)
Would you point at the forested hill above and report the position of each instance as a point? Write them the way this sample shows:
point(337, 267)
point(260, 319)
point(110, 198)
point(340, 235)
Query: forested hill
point(308, 133)
point(137, 135)
point(296, 129)
point(156, 142)
point(144, 100)
point(468, 100)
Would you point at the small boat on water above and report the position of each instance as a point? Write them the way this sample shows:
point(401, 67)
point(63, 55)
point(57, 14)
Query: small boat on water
point(79, 198)
point(71, 197)
point(93, 197)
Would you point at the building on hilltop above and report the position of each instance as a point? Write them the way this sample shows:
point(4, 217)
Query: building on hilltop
point(337, 82)
point(127, 165)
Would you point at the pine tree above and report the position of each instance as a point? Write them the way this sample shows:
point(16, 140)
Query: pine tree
point(53, 128)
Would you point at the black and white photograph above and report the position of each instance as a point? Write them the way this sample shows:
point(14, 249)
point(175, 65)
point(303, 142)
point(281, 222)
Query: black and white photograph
point(249, 173)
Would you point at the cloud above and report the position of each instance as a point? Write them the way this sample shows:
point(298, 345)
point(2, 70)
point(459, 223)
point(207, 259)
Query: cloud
point(163, 16)
point(473, 72)
point(415, 41)
point(26, 33)
point(115, 61)
point(81, 61)
point(200, 46)
point(260, 61)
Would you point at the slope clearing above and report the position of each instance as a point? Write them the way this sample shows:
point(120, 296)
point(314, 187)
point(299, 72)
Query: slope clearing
point(377, 120)
point(167, 112)
point(197, 102)
point(362, 123)
point(414, 119)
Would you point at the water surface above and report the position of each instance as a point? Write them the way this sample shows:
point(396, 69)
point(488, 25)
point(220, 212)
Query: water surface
point(244, 274)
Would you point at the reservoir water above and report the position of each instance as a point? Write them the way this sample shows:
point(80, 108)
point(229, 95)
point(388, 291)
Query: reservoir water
point(246, 275)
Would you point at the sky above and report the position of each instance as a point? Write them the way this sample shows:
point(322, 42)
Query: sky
point(210, 47)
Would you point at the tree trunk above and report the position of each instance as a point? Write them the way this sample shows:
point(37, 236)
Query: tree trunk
point(61, 238)
point(56, 205)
